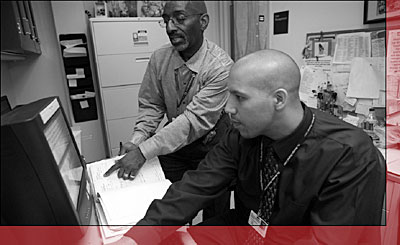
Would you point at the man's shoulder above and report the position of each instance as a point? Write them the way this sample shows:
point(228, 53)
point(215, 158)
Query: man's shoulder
point(165, 49)
point(337, 130)
point(217, 55)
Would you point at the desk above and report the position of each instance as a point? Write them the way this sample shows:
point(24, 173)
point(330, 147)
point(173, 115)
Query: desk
point(390, 232)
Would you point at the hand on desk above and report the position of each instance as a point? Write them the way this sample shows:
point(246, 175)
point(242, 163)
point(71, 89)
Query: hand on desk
point(130, 164)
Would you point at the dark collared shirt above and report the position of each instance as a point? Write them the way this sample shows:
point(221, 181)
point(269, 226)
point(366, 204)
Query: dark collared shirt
point(336, 177)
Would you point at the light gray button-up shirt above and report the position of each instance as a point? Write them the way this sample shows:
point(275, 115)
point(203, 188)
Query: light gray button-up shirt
point(192, 94)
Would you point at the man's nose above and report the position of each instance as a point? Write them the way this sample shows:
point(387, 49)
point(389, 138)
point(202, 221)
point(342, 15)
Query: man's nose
point(230, 107)
point(170, 26)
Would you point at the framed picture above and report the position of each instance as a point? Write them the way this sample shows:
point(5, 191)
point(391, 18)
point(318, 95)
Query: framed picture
point(100, 9)
point(322, 48)
point(374, 11)
point(122, 8)
point(320, 45)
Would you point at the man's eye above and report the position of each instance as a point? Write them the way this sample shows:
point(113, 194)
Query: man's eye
point(240, 98)
point(180, 17)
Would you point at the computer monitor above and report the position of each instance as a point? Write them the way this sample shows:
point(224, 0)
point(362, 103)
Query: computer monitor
point(43, 177)
point(5, 105)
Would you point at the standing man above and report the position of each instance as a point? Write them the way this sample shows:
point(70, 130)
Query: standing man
point(293, 166)
point(185, 80)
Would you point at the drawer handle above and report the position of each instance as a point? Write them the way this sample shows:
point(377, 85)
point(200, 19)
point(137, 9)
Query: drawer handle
point(142, 59)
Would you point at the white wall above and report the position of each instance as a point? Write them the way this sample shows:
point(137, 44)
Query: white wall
point(37, 76)
point(70, 17)
point(218, 30)
point(314, 16)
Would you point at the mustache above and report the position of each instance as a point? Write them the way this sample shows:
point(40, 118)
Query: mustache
point(173, 34)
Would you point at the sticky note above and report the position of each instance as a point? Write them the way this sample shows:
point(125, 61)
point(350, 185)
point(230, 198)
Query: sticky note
point(84, 104)
point(72, 83)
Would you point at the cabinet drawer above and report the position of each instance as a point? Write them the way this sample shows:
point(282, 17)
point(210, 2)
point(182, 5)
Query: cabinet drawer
point(120, 130)
point(128, 37)
point(123, 69)
point(121, 102)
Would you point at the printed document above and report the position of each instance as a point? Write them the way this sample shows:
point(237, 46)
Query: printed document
point(122, 203)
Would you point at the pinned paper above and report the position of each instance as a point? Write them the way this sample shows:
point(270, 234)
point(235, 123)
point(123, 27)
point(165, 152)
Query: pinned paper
point(84, 104)
point(363, 106)
point(72, 83)
point(80, 71)
point(310, 79)
point(71, 43)
point(75, 76)
point(350, 101)
point(349, 46)
point(364, 81)
point(74, 52)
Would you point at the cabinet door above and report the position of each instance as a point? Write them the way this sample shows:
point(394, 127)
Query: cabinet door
point(128, 37)
point(122, 69)
point(121, 102)
point(120, 130)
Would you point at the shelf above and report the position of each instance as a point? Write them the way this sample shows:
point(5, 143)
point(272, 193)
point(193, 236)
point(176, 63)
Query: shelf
point(6, 56)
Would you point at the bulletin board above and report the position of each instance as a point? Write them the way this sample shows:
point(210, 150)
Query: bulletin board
point(344, 71)
point(328, 41)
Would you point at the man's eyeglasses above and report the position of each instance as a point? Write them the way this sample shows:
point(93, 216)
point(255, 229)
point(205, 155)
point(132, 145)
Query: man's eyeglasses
point(176, 20)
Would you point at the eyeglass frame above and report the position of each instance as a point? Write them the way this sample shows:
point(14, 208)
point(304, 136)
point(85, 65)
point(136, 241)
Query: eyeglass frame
point(164, 23)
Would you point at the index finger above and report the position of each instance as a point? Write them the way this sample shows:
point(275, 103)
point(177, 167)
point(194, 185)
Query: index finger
point(112, 169)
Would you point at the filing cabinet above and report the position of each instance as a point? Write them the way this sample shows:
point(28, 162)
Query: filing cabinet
point(123, 47)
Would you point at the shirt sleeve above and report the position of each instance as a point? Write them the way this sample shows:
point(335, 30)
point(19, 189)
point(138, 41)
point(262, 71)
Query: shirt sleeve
point(185, 198)
point(151, 105)
point(354, 187)
point(199, 117)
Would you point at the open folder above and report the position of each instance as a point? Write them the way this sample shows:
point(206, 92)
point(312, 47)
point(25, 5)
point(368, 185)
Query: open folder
point(122, 203)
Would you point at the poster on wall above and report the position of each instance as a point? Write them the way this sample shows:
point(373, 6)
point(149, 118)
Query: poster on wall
point(281, 22)
point(150, 8)
point(122, 8)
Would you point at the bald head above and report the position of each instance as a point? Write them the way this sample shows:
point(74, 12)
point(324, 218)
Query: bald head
point(270, 70)
point(192, 7)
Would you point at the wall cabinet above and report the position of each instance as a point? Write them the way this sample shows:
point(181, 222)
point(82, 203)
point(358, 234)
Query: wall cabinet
point(19, 36)
point(122, 47)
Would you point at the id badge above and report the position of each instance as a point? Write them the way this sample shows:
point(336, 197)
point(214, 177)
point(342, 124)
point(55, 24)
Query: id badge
point(258, 224)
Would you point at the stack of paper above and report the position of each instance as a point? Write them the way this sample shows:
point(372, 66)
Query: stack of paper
point(122, 203)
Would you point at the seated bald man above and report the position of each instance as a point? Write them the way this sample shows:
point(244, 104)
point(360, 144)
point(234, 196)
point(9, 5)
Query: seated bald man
point(293, 165)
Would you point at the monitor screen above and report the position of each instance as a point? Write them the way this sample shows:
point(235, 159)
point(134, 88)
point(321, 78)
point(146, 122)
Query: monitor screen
point(67, 158)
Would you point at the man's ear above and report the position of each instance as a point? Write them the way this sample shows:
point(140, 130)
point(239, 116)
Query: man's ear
point(204, 20)
point(280, 98)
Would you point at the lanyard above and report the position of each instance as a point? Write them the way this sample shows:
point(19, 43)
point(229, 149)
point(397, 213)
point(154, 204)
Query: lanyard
point(284, 164)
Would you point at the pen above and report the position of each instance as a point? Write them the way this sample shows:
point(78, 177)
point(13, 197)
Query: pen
point(120, 148)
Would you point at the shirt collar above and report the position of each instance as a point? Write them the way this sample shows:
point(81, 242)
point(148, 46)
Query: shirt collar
point(284, 147)
point(195, 62)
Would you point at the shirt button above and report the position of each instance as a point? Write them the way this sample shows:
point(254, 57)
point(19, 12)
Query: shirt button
point(184, 103)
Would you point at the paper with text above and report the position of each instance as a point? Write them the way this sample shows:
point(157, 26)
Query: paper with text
point(364, 80)
point(150, 172)
point(349, 46)
point(127, 206)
